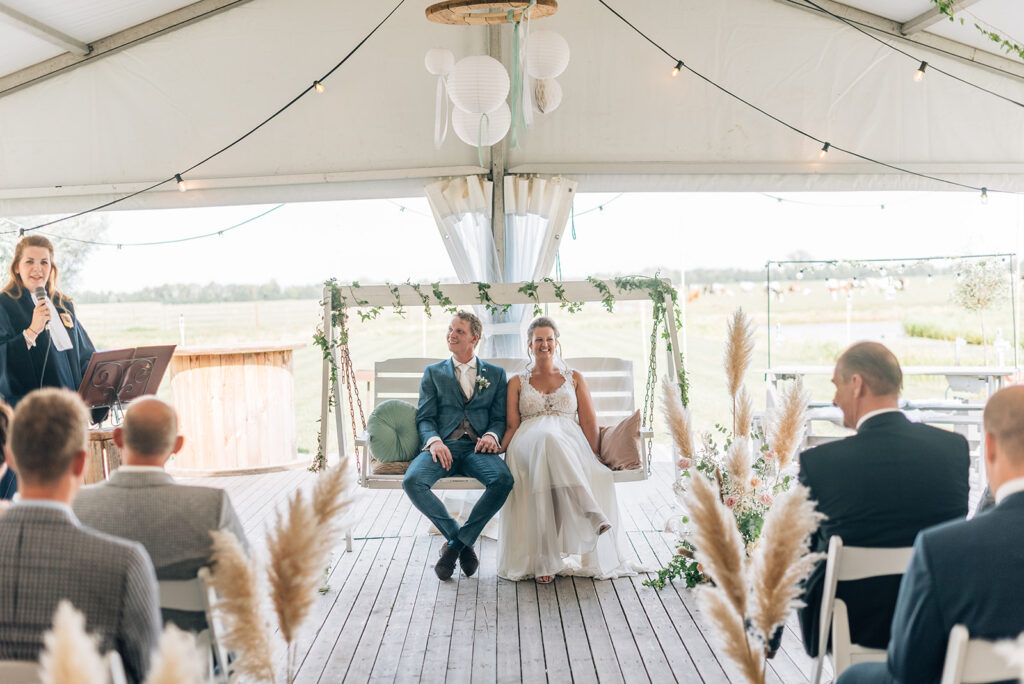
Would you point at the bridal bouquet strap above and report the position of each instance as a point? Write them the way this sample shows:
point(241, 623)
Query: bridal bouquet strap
point(751, 467)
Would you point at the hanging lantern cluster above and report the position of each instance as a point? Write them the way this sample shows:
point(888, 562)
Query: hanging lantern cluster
point(478, 87)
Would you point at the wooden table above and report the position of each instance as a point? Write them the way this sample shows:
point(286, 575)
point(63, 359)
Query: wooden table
point(237, 409)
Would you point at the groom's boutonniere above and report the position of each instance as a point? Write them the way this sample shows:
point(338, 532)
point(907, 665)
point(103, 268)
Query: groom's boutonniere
point(482, 383)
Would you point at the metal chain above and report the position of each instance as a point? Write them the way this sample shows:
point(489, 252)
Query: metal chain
point(350, 379)
point(652, 380)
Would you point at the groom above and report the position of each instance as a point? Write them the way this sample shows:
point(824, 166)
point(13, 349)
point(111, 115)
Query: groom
point(461, 420)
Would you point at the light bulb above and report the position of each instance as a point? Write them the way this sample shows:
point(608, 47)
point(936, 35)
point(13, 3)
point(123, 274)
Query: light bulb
point(181, 182)
point(676, 68)
point(919, 74)
point(318, 86)
point(984, 195)
point(824, 150)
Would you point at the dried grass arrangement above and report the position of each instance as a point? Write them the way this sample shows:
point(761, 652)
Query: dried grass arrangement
point(1013, 651)
point(70, 656)
point(178, 659)
point(748, 469)
point(747, 601)
point(299, 547)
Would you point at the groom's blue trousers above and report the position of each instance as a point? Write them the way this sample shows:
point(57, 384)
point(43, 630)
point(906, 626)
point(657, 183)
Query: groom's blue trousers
point(489, 469)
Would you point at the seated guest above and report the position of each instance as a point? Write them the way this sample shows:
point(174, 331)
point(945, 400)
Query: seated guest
point(46, 555)
point(142, 502)
point(964, 572)
point(879, 487)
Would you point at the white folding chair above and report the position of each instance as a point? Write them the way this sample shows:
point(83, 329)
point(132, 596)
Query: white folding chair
point(973, 661)
point(198, 595)
point(845, 565)
point(29, 672)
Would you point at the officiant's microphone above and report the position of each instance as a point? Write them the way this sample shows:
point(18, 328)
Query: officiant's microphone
point(39, 295)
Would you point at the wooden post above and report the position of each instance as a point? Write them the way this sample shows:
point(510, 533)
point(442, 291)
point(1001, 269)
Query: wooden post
point(497, 170)
point(325, 395)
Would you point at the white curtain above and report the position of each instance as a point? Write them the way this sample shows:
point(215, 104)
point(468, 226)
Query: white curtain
point(536, 211)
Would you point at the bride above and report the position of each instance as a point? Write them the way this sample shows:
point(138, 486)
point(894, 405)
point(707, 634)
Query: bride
point(562, 516)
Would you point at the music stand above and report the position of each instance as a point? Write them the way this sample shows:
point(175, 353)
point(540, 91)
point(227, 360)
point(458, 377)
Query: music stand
point(115, 377)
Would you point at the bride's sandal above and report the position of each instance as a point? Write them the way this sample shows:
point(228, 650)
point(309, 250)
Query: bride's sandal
point(603, 528)
point(545, 579)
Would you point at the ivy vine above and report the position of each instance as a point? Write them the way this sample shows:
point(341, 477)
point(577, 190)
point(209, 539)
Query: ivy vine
point(1010, 47)
point(530, 290)
point(484, 295)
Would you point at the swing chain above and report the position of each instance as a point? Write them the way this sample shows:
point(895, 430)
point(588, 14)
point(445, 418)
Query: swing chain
point(652, 379)
point(350, 380)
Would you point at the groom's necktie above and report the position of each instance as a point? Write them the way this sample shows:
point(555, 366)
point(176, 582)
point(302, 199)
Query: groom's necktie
point(464, 372)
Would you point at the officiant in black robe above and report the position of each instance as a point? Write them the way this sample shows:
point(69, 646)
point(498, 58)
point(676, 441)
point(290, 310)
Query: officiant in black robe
point(28, 358)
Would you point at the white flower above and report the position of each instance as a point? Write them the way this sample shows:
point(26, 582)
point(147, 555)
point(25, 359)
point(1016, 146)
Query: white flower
point(482, 382)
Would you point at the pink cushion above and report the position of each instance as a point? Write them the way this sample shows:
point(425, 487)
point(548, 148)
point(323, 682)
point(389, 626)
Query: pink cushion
point(620, 444)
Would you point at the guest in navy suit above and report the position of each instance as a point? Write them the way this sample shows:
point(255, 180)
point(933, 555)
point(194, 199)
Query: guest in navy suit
point(879, 487)
point(964, 572)
point(461, 421)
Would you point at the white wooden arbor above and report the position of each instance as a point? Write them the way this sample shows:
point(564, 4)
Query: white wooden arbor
point(464, 295)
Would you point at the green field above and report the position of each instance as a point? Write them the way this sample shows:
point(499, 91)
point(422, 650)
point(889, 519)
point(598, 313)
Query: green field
point(807, 327)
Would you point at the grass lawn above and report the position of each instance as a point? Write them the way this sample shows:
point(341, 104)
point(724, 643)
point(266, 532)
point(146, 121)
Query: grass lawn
point(807, 328)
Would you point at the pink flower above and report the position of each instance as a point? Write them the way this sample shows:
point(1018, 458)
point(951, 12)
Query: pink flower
point(684, 463)
point(766, 499)
point(755, 481)
point(769, 454)
point(731, 501)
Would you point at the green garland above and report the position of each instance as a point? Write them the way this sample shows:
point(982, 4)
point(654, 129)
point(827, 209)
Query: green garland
point(948, 7)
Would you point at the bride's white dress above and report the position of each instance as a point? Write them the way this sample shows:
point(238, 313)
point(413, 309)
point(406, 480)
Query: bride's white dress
point(561, 497)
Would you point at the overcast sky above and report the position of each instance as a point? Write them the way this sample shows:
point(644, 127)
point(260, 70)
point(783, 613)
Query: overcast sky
point(374, 240)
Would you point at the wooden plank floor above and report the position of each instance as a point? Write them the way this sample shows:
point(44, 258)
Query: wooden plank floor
point(387, 618)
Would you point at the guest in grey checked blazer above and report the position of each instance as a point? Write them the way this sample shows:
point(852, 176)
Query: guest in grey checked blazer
point(141, 502)
point(46, 555)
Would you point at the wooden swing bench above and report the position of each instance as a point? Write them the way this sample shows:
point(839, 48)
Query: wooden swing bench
point(610, 379)
point(611, 387)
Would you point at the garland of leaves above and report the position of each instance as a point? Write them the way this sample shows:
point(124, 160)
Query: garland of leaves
point(948, 7)
point(340, 303)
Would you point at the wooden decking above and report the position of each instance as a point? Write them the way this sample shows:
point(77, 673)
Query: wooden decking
point(387, 617)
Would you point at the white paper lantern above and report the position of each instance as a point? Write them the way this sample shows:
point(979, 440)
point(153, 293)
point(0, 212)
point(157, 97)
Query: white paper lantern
point(439, 61)
point(547, 95)
point(547, 54)
point(478, 84)
point(467, 126)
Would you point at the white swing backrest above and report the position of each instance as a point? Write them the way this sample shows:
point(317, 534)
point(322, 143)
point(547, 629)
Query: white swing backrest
point(610, 381)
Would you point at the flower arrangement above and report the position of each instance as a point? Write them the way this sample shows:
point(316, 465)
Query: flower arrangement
point(751, 468)
point(482, 383)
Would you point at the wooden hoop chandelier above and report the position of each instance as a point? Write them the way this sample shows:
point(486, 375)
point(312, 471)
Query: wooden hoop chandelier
point(481, 13)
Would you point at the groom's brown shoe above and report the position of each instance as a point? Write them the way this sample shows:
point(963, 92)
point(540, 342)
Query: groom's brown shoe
point(468, 561)
point(446, 564)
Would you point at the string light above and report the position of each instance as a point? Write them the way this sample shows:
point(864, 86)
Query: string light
point(824, 150)
point(318, 86)
point(181, 182)
point(676, 68)
point(984, 195)
point(919, 74)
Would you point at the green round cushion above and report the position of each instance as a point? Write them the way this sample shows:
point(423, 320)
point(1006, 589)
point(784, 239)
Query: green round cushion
point(392, 431)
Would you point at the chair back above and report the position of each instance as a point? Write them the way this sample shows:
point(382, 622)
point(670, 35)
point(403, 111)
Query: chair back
point(845, 564)
point(974, 661)
point(197, 595)
point(30, 672)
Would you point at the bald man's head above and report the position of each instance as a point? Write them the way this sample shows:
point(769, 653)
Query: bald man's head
point(150, 428)
point(1004, 421)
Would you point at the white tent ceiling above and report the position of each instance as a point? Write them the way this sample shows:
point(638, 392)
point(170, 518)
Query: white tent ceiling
point(121, 120)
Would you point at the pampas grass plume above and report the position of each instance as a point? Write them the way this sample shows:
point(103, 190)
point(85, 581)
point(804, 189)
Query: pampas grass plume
point(731, 633)
point(718, 542)
point(70, 656)
point(737, 463)
point(295, 566)
point(787, 427)
point(677, 417)
point(743, 412)
point(739, 350)
point(245, 630)
point(781, 559)
point(178, 659)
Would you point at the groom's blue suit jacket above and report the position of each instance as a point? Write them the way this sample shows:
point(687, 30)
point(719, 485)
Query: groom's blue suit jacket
point(442, 406)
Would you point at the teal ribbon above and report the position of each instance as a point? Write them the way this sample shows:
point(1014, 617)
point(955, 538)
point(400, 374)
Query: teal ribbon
point(518, 78)
point(484, 119)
